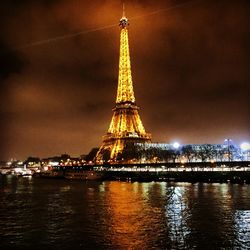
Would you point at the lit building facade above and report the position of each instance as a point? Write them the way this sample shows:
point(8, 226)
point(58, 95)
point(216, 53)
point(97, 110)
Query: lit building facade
point(191, 152)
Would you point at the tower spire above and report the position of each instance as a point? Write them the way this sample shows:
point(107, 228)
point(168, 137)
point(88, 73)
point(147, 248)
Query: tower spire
point(123, 10)
point(123, 21)
point(125, 92)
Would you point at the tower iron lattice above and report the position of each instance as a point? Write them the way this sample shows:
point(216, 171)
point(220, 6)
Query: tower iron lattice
point(126, 125)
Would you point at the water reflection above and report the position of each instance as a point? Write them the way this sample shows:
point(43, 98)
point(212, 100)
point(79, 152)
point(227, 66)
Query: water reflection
point(242, 229)
point(135, 220)
point(119, 215)
point(177, 214)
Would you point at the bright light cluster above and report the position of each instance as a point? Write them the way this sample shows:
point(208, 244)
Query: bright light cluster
point(245, 146)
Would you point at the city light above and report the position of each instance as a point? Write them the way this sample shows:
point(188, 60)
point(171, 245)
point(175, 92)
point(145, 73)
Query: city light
point(245, 146)
point(176, 145)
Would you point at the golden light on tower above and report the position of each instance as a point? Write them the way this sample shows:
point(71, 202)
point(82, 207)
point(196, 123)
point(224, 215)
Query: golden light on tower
point(126, 125)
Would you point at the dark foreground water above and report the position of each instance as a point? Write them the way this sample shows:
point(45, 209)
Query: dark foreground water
point(59, 214)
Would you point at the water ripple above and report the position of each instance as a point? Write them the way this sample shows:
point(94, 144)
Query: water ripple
point(118, 215)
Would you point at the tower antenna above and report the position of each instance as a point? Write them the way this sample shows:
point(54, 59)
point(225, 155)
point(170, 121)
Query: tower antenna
point(123, 9)
point(123, 21)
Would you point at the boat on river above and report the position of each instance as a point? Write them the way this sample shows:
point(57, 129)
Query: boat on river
point(83, 175)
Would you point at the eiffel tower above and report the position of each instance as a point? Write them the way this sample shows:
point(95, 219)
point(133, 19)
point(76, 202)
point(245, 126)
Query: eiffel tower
point(126, 125)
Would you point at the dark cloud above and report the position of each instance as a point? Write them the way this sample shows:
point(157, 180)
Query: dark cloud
point(190, 70)
point(10, 62)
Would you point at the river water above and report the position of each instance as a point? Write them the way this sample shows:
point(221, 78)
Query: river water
point(60, 214)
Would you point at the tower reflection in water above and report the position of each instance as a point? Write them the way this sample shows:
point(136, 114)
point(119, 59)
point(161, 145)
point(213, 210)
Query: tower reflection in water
point(123, 215)
point(175, 216)
point(145, 215)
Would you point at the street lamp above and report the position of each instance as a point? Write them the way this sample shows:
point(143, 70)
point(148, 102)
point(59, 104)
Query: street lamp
point(176, 145)
point(245, 148)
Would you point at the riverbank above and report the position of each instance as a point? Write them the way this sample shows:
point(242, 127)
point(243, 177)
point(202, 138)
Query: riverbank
point(184, 176)
point(207, 172)
point(196, 172)
point(231, 172)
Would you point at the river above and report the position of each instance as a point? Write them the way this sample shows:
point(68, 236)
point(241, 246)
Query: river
point(40, 213)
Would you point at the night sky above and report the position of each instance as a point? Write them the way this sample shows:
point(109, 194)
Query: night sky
point(190, 69)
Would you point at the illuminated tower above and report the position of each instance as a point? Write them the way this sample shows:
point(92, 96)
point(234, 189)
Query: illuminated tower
point(126, 125)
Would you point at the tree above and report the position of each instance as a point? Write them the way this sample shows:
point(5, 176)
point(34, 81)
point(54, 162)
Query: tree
point(32, 160)
point(91, 155)
point(207, 152)
point(130, 151)
point(106, 155)
point(188, 152)
point(220, 153)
